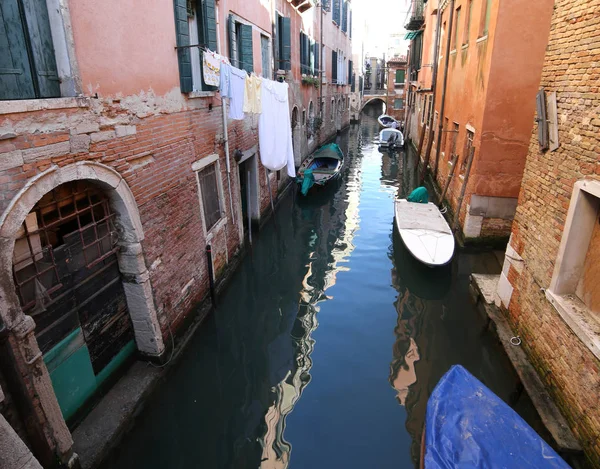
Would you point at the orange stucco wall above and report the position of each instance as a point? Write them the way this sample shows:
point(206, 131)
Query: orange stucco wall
point(124, 47)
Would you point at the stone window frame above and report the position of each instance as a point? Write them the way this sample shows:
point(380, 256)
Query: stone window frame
point(579, 224)
point(198, 166)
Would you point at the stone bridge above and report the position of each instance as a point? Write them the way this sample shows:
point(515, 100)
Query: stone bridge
point(370, 96)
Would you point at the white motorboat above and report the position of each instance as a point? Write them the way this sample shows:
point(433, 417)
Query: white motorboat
point(424, 231)
point(391, 138)
point(387, 121)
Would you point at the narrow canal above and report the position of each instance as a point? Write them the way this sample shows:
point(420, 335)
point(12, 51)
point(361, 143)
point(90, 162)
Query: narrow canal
point(328, 341)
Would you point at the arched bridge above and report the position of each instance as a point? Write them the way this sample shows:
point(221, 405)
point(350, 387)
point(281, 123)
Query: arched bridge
point(370, 96)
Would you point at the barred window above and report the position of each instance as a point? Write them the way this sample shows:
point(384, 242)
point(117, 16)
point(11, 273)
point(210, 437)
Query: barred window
point(209, 190)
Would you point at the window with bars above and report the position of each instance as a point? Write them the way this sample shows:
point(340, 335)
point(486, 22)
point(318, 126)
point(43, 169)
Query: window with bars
point(70, 228)
point(454, 138)
point(468, 147)
point(210, 195)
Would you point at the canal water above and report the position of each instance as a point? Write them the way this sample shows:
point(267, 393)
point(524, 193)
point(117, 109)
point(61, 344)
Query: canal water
point(327, 342)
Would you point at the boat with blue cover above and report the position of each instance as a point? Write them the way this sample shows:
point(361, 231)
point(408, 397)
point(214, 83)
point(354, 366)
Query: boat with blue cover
point(468, 426)
point(321, 167)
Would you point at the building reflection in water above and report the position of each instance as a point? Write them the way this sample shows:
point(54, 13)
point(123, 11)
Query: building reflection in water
point(326, 259)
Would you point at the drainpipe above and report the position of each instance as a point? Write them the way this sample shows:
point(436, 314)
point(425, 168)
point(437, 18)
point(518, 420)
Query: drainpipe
point(434, 87)
point(225, 134)
point(443, 104)
point(321, 65)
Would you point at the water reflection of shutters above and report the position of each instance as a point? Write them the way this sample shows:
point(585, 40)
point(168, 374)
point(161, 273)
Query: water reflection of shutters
point(183, 39)
point(233, 52)
point(246, 57)
point(542, 120)
point(210, 195)
point(15, 74)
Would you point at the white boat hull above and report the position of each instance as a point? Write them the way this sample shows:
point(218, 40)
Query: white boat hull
point(424, 232)
point(384, 137)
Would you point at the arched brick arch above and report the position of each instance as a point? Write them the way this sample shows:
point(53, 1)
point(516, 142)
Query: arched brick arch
point(138, 291)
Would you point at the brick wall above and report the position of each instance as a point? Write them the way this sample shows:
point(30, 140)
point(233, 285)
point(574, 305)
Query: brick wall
point(569, 369)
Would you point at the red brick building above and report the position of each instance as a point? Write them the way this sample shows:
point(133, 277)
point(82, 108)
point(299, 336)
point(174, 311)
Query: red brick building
point(396, 81)
point(118, 169)
point(549, 284)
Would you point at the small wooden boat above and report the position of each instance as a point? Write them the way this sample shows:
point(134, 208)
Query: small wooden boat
point(467, 425)
point(387, 121)
point(391, 138)
point(321, 167)
point(424, 232)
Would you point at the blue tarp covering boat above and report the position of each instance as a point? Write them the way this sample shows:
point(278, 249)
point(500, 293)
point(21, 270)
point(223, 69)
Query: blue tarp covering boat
point(468, 426)
point(321, 167)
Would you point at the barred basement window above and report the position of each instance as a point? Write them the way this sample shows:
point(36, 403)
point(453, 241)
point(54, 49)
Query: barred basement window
point(468, 146)
point(208, 175)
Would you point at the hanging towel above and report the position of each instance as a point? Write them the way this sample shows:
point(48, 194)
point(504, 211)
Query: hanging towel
point(237, 87)
point(211, 68)
point(225, 81)
point(252, 98)
point(274, 128)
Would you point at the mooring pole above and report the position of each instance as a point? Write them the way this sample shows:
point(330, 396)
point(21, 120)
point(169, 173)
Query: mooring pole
point(211, 280)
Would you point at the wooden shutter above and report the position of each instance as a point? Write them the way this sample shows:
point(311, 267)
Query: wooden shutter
point(542, 120)
point(42, 48)
point(345, 16)
point(302, 52)
point(183, 39)
point(317, 57)
point(311, 60)
point(334, 66)
point(349, 77)
point(246, 52)
point(208, 34)
point(15, 73)
point(350, 23)
point(233, 52)
point(277, 41)
point(286, 44)
point(336, 11)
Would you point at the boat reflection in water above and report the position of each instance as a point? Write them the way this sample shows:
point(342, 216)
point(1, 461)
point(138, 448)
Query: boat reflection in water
point(327, 255)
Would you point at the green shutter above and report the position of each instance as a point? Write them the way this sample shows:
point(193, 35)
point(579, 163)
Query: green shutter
point(317, 59)
point(312, 57)
point(246, 52)
point(286, 44)
point(183, 39)
point(350, 23)
point(233, 52)
point(334, 66)
point(336, 11)
point(42, 48)
point(277, 41)
point(345, 16)
point(399, 76)
point(15, 73)
point(208, 35)
point(349, 77)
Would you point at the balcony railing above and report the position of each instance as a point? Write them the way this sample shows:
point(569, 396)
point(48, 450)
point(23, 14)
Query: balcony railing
point(417, 17)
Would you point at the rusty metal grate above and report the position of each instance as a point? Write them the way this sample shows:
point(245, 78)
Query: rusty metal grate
point(73, 216)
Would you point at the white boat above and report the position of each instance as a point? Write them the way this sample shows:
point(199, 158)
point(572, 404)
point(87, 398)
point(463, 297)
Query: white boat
point(424, 232)
point(391, 138)
point(386, 121)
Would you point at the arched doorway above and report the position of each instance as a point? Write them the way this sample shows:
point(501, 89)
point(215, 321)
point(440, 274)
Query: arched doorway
point(296, 136)
point(115, 230)
point(67, 278)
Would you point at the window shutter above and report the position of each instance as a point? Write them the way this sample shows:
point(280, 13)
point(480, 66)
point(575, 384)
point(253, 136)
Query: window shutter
point(183, 39)
point(277, 41)
point(350, 23)
point(542, 120)
point(326, 5)
point(286, 44)
point(349, 76)
point(301, 52)
point(336, 12)
point(209, 23)
point(353, 87)
point(42, 48)
point(312, 57)
point(246, 54)
point(334, 66)
point(233, 52)
point(345, 16)
point(317, 55)
point(15, 73)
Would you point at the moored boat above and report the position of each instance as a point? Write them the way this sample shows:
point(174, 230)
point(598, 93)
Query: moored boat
point(424, 232)
point(467, 425)
point(391, 138)
point(387, 121)
point(321, 167)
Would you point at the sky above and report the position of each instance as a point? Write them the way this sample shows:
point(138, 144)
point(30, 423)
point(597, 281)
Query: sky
point(375, 20)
